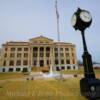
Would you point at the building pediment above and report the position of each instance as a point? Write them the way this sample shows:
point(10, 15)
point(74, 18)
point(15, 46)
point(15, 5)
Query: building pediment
point(41, 39)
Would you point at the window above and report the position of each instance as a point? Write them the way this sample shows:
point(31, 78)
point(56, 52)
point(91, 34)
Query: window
point(47, 62)
point(47, 49)
point(67, 54)
point(35, 49)
point(34, 54)
point(3, 70)
point(19, 49)
point(67, 61)
point(62, 67)
point(41, 49)
point(35, 63)
point(4, 63)
point(12, 55)
point(56, 54)
point(47, 54)
point(5, 49)
point(41, 55)
point(72, 54)
point(10, 69)
point(56, 49)
point(72, 49)
point(62, 55)
point(12, 49)
point(17, 69)
point(25, 49)
point(62, 61)
point(25, 62)
point(73, 67)
point(5, 55)
point(61, 49)
point(73, 61)
point(66, 49)
point(11, 63)
point(19, 55)
point(56, 61)
point(25, 70)
point(25, 55)
point(68, 67)
point(18, 63)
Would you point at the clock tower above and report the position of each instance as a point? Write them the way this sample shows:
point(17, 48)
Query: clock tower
point(89, 85)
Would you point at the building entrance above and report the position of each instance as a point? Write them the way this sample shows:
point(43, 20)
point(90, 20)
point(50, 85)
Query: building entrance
point(41, 63)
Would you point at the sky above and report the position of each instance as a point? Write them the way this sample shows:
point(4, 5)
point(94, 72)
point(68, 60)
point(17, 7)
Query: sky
point(21, 20)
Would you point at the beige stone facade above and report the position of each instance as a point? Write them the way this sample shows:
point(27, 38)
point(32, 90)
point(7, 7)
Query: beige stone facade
point(38, 52)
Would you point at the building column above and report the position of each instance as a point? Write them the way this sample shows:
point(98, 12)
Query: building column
point(30, 56)
point(44, 52)
point(38, 57)
point(52, 57)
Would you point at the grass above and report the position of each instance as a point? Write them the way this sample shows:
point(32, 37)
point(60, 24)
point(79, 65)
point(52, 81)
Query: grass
point(41, 90)
point(10, 75)
point(80, 71)
point(18, 75)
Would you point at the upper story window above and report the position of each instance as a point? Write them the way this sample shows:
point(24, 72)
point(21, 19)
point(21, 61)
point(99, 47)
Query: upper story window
point(19, 49)
point(72, 49)
point(5, 55)
point(25, 49)
point(41, 49)
point(19, 55)
point(11, 63)
point(62, 54)
point(66, 49)
point(72, 54)
point(62, 61)
point(56, 49)
point(67, 54)
point(48, 49)
point(61, 49)
point(56, 54)
point(25, 54)
point(13, 49)
point(25, 62)
point(4, 63)
point(67, 61)
point(18, 63)
point(35, 49)
point(47, 54)
point(41, 54)
point(34, 54)
point(12, 55)
point(6, 49)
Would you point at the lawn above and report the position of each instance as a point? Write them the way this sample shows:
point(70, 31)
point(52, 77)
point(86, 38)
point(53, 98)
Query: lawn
point(10, 75)
point(41, 90)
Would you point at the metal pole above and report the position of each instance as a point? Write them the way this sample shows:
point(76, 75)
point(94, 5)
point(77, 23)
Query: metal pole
point(87, 60)
point(58, 31)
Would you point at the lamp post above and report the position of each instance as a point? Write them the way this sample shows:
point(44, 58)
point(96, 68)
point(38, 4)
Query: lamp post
point(89, 85)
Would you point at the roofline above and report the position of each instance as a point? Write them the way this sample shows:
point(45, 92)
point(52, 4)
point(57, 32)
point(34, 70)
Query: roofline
point(41, 36)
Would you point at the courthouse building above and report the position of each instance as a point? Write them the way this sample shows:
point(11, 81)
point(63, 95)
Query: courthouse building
point(37, 52)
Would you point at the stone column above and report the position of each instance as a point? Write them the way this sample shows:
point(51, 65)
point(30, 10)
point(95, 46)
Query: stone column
point(51, 57)
point(38, 57)
point(44, 57)
point(30, 56)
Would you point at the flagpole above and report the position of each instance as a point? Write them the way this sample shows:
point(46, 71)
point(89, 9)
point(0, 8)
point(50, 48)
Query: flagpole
point(58, 34)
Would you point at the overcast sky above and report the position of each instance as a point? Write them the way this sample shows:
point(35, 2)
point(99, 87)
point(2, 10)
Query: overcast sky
point(21, 20)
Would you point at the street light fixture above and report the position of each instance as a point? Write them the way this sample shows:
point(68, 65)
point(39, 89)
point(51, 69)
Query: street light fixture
point(89, 85)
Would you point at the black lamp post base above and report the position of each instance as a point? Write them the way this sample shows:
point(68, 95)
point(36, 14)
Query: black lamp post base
point(88, 66)
point(90, 88)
